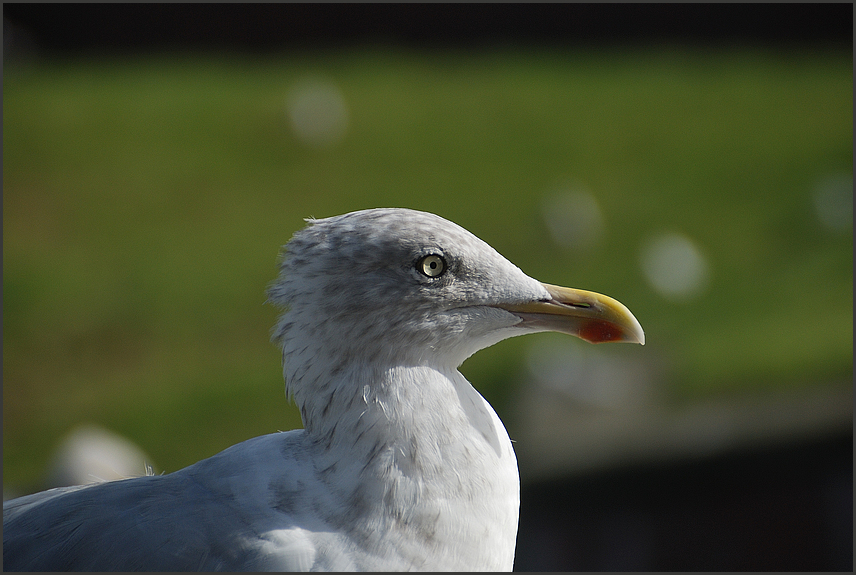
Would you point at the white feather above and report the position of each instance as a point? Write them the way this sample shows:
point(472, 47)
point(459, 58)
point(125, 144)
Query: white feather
point(402, 464)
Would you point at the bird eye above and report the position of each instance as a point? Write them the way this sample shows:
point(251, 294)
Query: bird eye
point(432, 266)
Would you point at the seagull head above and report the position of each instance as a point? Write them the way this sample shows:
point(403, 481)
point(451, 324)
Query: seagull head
point(402, 287)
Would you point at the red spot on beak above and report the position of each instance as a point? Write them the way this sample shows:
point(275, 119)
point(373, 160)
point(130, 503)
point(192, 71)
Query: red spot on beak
point(596, 331)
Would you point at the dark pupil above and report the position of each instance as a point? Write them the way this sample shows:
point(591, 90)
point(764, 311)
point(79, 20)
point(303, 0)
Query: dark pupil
point(433, 265)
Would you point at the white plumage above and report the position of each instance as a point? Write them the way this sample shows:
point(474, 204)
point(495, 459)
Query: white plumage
point(402, 464)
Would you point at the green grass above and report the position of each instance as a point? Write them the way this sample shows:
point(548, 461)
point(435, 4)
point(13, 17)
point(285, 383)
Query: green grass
point(145, 201)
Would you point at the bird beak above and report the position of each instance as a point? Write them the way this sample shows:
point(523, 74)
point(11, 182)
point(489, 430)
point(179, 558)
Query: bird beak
point(588, 315)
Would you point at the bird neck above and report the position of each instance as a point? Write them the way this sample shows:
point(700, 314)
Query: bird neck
point(426, 444)
point(359, 406)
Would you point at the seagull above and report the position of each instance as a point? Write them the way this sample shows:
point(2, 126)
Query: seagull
point(401, 465)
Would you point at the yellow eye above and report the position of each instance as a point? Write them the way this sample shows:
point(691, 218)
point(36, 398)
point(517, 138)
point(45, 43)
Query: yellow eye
point(432, 266)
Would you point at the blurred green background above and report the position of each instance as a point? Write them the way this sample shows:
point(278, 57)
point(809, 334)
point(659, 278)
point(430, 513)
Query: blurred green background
point(145, 199)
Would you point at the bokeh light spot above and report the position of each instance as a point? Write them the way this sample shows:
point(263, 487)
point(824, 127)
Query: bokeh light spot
point(573, 218)
point(833, 201)
point(675, 267)
point(318, 113)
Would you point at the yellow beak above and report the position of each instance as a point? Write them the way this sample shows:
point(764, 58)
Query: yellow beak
point(591, 316)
